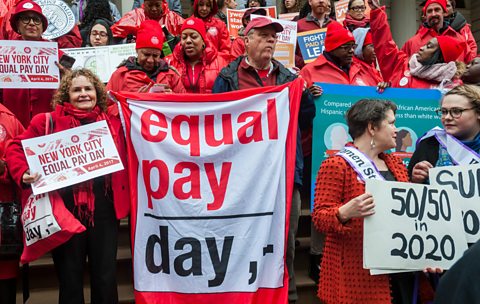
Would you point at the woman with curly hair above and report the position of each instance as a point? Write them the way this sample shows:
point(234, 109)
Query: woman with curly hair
point(97, 203)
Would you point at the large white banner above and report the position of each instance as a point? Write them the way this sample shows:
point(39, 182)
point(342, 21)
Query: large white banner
point(28, 64)
point(213, 176)
point(414, 227)
point(72, 156)
point(464, 180)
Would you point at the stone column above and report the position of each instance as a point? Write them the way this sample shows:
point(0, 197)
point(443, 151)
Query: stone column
point(403, 20)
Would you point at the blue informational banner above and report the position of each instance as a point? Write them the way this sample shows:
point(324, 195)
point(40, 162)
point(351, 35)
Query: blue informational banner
point(312, 44)
point(415, 116)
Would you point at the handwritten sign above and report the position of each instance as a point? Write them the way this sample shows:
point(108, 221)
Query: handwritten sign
point(414, 227)
point(72, 156)
point(102, 60)
point(28, 64)
point(312, 44)
point(464, 180)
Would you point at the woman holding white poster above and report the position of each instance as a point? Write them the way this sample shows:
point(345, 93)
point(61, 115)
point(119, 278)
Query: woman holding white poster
point(97, 203)
point(341, 204)
point(458, 143)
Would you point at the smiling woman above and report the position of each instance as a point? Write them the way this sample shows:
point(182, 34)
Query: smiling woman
point(96, 203)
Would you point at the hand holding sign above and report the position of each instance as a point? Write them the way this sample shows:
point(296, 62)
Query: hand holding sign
point(360, 206)
point(420, 171)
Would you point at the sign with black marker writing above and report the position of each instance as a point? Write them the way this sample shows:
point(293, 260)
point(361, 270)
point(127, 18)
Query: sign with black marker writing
point(414, 227)
point(464, 180)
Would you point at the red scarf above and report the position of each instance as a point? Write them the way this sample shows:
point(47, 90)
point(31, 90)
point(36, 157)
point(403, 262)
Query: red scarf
point(350, 22)
point(83, 194)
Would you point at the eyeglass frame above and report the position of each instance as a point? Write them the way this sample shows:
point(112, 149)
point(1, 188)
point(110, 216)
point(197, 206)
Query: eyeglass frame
point(96, 33)
point(348, 47)
point(441, 113)
point(25, 19)
point(359, 8)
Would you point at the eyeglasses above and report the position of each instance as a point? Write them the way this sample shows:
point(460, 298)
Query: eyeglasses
point(101, 34)
point(25, 19)
point(358, 8)
point(454, 112)
point(348, 47)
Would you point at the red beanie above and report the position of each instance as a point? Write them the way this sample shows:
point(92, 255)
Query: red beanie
point(368, 39)
point(443, 4)
point(197, 25)
point(150, 35)
point(27, 6)
point(450, 47)
point(337, 36)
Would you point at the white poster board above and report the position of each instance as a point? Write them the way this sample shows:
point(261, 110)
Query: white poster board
point(28, 64)
point(101, 60)
point(464, 180)
point(73, 156)
point(414, 227)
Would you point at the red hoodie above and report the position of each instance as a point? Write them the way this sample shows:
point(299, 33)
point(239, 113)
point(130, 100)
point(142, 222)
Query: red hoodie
point(217, 31)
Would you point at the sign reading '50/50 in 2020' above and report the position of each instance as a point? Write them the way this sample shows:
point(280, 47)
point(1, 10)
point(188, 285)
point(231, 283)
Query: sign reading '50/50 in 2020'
point(210, 212)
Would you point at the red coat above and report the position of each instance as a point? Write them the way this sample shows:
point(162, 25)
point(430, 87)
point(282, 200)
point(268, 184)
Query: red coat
point(9, 128)
point(211, 66)
point(424, 35)
point(393, 62)
point(217, 31)
point(238, 47)
point(17, 162)
point(370, 70)
point(322, 70)
point(130, 22)
point(343, 279)
point(466, 32)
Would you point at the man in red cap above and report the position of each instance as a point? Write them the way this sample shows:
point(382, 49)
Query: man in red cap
point(258, 69)
point(336, 64)
point(434, 13)
point(151, 10)
point(139, 74)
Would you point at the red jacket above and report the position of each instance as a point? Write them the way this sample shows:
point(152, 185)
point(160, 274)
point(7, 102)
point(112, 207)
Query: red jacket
point(393, 62)
point(322, 70)
point(424, 35)
point(466, 32)
point(238, 47)
point(368, 70)
point(10, 127)
point(130, 22)
point(17, 162)
point(217, 31)
point(343, 279)
point(211, 66)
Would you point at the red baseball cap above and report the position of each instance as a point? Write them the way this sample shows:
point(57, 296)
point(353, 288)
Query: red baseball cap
point(27, 6)
point(260, 22)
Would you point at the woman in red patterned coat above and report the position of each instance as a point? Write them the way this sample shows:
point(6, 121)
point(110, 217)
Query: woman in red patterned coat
point(341, 204)
point(197, 62)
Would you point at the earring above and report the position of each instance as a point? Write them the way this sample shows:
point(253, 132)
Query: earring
point(372, 142)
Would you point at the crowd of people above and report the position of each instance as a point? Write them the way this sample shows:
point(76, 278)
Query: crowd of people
point(198, 55)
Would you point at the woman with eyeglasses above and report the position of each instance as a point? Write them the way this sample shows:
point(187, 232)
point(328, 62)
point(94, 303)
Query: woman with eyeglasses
point(356, 17)
point(433, 66)
point(99, 34)
point(460, 117)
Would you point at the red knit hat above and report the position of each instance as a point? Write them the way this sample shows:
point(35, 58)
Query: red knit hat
point(368, 39)
point(337, 36)
point(150, 35)
point(197, 25)
point(451, 48)
point(443, 4)
point(27, 6)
